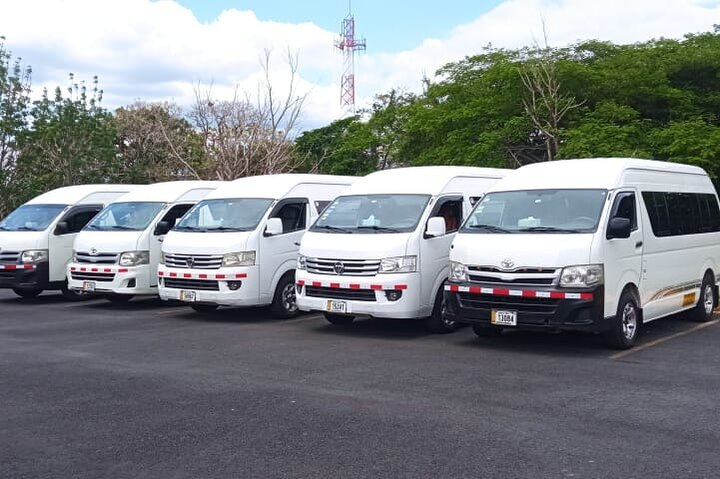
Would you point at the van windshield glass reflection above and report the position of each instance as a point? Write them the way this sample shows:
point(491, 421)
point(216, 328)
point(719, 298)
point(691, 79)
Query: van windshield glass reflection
point(537, 211)
point(239, 214)
point(372, 214)
point(31, 218)
point(132, 216)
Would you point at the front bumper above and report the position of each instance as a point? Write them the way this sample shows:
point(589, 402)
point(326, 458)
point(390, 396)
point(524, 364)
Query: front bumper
point(362, 295)
point(132, 280)
point(211, 286)
point(30, 276)
point(537, 308)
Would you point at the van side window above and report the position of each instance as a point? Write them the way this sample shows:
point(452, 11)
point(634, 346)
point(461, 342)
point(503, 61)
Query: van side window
point(292, 216)
point(175, 213)
point(451, 210)
point(676, 214)
point(320, 205)
point(624, 207)
point(76, 220)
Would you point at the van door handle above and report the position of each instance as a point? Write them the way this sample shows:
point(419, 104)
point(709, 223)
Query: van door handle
point(638, 244)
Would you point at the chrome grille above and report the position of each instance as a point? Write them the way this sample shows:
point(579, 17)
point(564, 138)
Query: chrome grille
point(9, 256)
point(517, 276)
point(97, 258)
point(346, 267)
point(196, 261)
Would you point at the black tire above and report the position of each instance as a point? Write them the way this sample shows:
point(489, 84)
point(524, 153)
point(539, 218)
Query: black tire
point(703, 310)
point(284, 304)
point(27, 293)
point(436, 322)
point(626, 325)
point(73, 295)
point(204, 308)
point(486, 331)
point(119, 298)
point(339, 319)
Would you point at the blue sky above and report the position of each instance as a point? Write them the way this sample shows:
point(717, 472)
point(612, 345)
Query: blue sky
point(388, 25)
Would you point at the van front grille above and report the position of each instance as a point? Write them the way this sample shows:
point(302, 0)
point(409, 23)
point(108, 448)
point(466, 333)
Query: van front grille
point(195, 261)
point(337, 293)
point(192, 284)
point(346, 267)
point(99, 277)
point(96, 258)
point(11, 257)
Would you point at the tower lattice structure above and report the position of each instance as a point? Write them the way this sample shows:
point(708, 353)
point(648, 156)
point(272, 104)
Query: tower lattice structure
point(348, 45)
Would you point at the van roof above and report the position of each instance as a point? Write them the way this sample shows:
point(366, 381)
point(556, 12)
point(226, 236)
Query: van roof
point(418, 179)
point(70, 195)
point(168, 191)
point(600, 173)
point(274, 186)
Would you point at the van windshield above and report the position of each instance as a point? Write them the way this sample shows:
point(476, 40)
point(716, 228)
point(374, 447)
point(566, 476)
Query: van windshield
point(236, 214)
point(372, 214)
point(537, 211)
point(133, 216)
point(31, 217)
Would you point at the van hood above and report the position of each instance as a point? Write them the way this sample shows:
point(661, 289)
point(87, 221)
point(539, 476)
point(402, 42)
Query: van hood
point(107, 241)
point(183, 242)
point(354, 246)
point(23, 240)
point(524, 250)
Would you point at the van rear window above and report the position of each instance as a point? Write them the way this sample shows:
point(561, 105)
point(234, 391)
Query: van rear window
point(677, 214)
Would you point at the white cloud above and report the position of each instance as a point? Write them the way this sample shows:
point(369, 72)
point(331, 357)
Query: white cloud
point(157, 50)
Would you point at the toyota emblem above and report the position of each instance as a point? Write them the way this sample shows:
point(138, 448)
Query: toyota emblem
point(190, 262)
point(93, 252)
point(507, 263)
point(339, 268)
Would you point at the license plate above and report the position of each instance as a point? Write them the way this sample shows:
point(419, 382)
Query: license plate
point(336, 306)
point(504, 318)
point(187, 296)
point(88, 286)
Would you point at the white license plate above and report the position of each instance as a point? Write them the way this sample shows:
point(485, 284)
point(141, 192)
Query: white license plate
point(88, 286)
point(187, 296)
point(504, 318)
point(336, 306)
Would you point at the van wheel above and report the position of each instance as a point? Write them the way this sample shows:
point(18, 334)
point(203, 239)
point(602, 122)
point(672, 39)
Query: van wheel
point(437, 322)
point(284, 304)
point(339, 319)
point(703, 311)
point(118, 299)
point(204, 308)
point(27, 293)
point(73, 295)
point(624, 331)
point(486, 331)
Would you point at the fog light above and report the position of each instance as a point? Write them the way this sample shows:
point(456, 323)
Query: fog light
point(298, 289)
point(393, 295)
point(234, 285)
point(131, 283)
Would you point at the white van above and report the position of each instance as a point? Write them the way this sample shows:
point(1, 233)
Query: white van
point(36, 239)
point(381, 249)
point(238, 247)
point(118, 252)
point(601, 245)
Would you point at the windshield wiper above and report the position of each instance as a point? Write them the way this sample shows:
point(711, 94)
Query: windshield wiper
point(224, 228)
point(189, 228)
point(333, 228)
point(386, 229)
point(490, 228)
point(549, 229)
point(123, 227)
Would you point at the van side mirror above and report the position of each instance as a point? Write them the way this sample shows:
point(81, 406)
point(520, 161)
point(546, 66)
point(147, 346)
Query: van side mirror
point(619, 228)
point(62, 228)
point(435, 227)
point(273, 227)
point(162, 228)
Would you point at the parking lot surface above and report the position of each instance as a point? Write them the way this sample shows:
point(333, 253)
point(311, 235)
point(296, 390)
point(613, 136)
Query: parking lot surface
point(152, 390)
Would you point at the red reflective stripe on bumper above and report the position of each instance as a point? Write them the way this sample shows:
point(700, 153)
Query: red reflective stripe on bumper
point(335, 285)
point(301, 282)
point(400, 287)
point(376, 287)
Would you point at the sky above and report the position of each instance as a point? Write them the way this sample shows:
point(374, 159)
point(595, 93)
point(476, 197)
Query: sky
point(163, 50)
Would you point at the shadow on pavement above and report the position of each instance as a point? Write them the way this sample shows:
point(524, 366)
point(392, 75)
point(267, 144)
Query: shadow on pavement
point(376, 328)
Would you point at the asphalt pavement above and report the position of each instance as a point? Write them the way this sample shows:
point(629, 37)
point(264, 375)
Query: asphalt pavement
point(151, 390)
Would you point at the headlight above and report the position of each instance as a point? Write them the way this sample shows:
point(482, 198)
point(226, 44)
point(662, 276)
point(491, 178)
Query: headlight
point(162, 257)
point(398, 264)
point(244, 258)
point(34, 256)
point(301, 262)
point(458, 271)
point(582, 275)
point(74, 257)
point(134, 258)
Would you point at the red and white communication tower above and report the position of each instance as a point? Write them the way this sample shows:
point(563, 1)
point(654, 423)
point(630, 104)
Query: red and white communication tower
point(348, 45)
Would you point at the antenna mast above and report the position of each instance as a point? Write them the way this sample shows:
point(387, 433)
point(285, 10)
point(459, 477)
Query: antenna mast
point(348, 45)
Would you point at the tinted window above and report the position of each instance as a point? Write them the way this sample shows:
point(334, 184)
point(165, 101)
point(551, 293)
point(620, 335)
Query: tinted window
point(675, 214)
point(624, 207)
point(292, 216)
point(77, 220)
